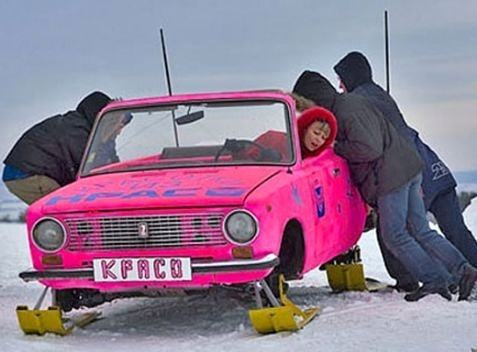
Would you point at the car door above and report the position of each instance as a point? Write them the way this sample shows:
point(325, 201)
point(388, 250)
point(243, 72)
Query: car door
point(327, 191)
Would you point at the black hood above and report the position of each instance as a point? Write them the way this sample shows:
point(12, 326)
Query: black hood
point(91, 105)
point(317, 88)
point(354, 70)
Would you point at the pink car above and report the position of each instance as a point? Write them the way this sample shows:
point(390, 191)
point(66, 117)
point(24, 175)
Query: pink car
point(191, 191)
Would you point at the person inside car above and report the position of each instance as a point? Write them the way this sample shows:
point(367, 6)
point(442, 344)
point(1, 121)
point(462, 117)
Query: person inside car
point(317, 130)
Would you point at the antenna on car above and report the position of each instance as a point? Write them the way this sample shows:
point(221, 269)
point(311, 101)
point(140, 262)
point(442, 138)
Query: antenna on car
point(386, 53)
point(168, 81)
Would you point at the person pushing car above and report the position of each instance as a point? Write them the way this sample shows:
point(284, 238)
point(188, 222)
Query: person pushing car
point(48, 155)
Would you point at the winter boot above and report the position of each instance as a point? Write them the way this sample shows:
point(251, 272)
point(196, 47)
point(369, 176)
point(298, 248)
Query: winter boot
point(406, 286)
point(453, 288)
point(467, 281)
point(428, 289)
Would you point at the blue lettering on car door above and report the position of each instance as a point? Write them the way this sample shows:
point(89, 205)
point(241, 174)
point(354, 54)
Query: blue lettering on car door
point(320, 202)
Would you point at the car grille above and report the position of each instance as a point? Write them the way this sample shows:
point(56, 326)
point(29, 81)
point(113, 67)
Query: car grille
point(160, 231)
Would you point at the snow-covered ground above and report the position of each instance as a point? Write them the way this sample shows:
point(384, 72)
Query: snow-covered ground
point(353, 321)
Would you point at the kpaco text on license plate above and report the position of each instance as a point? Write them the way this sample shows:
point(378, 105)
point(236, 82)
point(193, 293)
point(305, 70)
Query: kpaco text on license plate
point(142, 269)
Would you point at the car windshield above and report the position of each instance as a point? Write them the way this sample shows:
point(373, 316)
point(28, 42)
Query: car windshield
point(227, 133)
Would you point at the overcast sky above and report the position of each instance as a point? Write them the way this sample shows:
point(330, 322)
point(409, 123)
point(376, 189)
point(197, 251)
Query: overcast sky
point(52, 53)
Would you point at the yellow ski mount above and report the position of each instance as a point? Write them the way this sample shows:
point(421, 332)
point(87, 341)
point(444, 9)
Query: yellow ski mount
point(281, 317)
point(40, 321)
point(346, 277)
point(346, 273)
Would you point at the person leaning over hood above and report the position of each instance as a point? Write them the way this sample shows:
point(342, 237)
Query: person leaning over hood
point(438, 184)
point(48, 155)
point(388, 174)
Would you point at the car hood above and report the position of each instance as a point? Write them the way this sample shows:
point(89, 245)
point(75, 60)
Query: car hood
point(176, 188)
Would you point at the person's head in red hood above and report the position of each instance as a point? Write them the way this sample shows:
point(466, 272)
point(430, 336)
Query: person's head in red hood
point(317, 129)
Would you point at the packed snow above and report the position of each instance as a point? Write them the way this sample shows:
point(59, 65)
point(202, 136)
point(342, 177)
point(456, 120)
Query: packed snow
point(217, 321)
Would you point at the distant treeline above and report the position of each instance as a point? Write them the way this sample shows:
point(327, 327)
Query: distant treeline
point(19, 218)
point(466, 176)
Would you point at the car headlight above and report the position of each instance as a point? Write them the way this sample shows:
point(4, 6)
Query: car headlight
point(49, 235)
point(240, 226)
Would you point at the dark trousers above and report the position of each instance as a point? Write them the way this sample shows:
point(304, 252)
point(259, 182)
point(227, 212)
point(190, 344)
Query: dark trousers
point(32, 188)
point(445, 208)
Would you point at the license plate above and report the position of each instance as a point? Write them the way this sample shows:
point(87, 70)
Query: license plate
point(142, 269)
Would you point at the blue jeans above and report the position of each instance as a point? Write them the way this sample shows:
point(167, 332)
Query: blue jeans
point(446, 210)
point(404, 230)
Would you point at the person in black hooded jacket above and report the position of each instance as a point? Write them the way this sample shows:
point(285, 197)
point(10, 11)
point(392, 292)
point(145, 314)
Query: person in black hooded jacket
point(388, 174)
point(48, 155)
point(438, 184)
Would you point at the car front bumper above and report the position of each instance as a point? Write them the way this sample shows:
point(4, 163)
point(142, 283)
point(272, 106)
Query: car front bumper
point(231, 266)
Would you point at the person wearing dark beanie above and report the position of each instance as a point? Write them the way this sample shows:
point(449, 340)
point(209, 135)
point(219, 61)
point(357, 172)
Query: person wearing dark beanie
point(387, 173)
point(48, 155)
point(353, 70)
point(438, 184)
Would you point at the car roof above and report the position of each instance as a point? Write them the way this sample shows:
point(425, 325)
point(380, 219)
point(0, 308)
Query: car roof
point(265, 94)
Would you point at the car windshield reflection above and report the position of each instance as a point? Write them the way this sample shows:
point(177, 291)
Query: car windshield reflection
point(233, 133)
